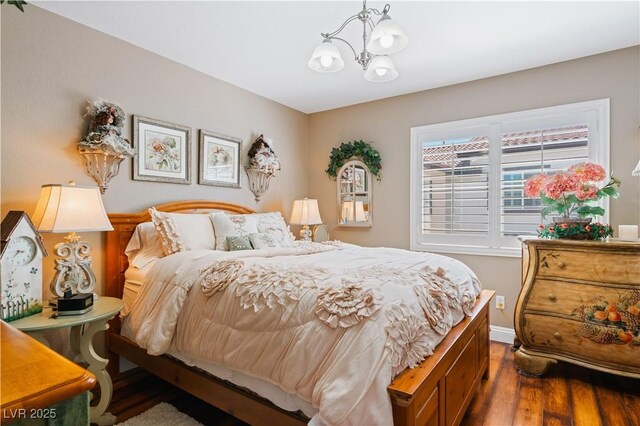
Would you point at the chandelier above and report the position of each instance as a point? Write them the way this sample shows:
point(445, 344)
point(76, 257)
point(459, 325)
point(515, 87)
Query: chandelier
point(386, 38)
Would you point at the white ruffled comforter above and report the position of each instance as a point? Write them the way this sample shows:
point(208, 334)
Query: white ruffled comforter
point(331, 324)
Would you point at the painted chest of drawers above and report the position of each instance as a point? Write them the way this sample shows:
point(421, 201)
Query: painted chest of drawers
point(579, 303)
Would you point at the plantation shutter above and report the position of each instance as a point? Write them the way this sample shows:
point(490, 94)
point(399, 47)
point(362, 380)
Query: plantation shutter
point(455, 187)
point(525, 154)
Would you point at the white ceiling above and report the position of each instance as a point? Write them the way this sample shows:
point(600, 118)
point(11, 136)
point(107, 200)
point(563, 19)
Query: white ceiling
point(263, 46)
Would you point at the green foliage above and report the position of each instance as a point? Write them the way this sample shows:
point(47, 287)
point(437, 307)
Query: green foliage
point(590, 211)
point(359, 149)
point(592, 231)
point(16, 3)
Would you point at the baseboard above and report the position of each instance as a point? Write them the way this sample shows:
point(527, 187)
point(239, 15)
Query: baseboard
point(502, 334)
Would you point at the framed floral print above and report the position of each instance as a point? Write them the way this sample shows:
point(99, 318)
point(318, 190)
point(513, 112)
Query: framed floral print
point(219, 160)
point(163, 151)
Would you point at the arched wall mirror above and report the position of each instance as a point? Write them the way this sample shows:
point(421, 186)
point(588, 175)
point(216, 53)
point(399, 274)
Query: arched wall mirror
point(354, 195)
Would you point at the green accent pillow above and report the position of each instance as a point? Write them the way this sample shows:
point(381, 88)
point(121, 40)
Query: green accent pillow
point(239, 243)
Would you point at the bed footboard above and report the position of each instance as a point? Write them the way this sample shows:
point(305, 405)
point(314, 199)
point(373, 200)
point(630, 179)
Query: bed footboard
point(439, 390)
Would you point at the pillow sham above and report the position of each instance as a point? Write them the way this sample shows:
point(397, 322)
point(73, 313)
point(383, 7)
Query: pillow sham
point(263, 241)
point(239, 243)
point(183, 231)
point(144, 246)
point(273, 223)
point(232, 225)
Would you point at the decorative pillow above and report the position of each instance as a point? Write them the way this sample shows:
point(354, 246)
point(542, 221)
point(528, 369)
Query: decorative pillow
point(144, 246)
point(239, 243)
point(183, 231)
point(262, 241)
point(273, 223)
point(232, 225)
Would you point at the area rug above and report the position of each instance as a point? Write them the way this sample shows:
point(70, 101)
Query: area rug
point(161, 414)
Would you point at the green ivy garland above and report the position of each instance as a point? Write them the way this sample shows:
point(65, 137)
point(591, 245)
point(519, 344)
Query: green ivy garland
point(347, 150)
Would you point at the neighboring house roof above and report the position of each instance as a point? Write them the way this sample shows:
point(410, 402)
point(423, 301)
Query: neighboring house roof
point(448, 153)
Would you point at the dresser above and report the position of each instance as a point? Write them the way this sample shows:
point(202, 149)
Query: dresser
point(579, 303)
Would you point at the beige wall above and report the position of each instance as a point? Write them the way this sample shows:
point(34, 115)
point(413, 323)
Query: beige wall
point(387, 123)
point(51, 66)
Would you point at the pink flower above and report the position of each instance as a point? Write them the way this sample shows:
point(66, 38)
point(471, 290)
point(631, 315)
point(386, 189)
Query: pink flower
point(560, 183)
point(587, 192)
point(533, 185)
point(588, 172)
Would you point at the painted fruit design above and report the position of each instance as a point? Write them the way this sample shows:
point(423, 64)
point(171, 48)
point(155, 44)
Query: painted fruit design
point(606, 321)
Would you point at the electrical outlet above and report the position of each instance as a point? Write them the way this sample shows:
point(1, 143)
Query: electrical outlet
point(500, 302)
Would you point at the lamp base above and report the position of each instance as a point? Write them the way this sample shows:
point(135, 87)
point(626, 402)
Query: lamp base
point(73, 267)
point(305, 233)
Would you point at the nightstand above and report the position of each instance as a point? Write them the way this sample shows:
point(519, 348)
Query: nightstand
point(83, 328)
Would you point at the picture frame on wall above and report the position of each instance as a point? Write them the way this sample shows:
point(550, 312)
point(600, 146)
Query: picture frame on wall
point(163, 151)
point(219, 160)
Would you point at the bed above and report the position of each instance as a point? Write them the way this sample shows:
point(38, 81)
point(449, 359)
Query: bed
point(435, 392)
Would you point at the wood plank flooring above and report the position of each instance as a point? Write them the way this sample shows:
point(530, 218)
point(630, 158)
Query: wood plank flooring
point(567, 395)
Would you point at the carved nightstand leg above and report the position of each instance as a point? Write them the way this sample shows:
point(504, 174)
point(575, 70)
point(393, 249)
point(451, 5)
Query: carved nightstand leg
point(532, 364)
point(97, 366)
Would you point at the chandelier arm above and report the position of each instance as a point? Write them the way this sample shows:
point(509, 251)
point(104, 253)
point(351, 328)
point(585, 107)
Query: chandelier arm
point(355, 55)
point(344, 24)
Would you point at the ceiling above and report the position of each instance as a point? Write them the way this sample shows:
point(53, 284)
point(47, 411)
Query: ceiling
point(263, 46)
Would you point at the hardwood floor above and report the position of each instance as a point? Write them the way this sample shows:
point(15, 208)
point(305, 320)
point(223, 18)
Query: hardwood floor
point(567, 395)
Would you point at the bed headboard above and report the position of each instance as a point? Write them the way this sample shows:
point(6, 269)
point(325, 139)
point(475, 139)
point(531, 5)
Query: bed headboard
point(125, 223)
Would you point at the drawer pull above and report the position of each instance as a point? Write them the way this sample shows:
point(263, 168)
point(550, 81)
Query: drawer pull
point(557, 335)
point(561, 265)
point(552, 297)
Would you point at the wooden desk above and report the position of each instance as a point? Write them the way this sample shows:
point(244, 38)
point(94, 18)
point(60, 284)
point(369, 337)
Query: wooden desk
point(35, 377)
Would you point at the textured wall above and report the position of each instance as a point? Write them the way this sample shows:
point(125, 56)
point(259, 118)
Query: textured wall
point(51, 66)
point(387, 123)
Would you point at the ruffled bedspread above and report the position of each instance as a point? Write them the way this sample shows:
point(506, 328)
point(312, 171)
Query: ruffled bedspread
point(331, 324)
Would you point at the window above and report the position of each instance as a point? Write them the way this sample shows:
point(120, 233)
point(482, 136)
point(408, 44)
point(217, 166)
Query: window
point(468, 176)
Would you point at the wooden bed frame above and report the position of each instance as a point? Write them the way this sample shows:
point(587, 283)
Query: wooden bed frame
point(437, 392)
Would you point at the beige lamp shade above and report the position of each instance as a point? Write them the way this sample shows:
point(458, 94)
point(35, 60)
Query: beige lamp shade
point(70, 208)
point(305, 212)
point(351, 213)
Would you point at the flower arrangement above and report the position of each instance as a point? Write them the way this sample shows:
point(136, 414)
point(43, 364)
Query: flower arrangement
point(589, 231)
point(572, 193)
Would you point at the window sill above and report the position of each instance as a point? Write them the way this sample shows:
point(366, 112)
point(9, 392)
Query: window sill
point(472, 250)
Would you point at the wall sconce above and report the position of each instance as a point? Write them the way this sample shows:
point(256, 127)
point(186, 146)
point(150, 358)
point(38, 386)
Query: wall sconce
point(101, 165)
point(263, 165)
point(103, 148)
point(258, 181)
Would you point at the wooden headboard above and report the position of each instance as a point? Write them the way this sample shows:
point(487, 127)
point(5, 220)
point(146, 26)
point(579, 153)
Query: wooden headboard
point(125, 223)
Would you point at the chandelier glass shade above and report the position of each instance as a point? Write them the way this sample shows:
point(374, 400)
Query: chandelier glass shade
point(379, 40)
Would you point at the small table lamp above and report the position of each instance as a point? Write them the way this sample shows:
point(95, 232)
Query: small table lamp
point(71, 208)
point(353, 211)
point(305, 212)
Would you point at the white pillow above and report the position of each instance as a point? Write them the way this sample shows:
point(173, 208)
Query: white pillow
point(144, 246)
point(183, 231)
point(263, 241)
point(273, 223)
point(232, 225)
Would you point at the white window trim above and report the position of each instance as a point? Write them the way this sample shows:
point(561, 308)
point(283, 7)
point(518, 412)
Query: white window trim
point(598, 153)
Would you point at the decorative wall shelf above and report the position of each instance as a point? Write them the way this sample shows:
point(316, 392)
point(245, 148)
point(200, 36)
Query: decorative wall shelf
point(258, 181)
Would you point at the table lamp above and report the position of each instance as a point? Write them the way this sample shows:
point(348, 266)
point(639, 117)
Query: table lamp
point(71, 208)
point(353, 211)
point(305, 212)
